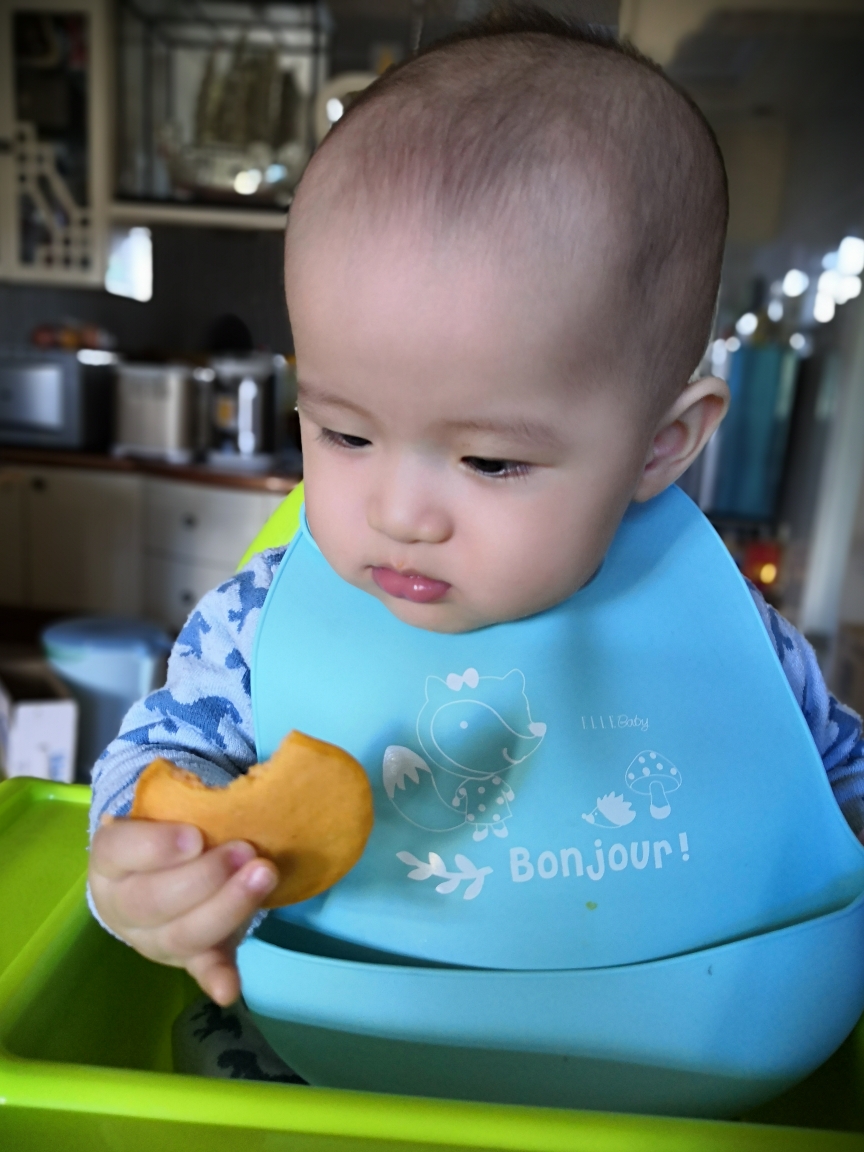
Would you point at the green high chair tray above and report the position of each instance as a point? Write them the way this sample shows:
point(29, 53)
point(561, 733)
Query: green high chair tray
point(85, 1053)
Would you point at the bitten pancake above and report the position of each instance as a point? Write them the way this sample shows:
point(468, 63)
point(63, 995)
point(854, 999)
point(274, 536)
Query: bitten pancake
point(308, 809)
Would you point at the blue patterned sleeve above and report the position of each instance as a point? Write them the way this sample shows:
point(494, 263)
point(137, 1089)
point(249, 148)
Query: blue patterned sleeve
point(836, 729)
point(202, 719)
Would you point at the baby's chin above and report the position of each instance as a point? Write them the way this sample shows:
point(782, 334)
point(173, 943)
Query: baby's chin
point(446, 615)
point(453, 613)
point(449, 614)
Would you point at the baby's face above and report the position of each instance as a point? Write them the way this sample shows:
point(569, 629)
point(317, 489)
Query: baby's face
point(458, 465)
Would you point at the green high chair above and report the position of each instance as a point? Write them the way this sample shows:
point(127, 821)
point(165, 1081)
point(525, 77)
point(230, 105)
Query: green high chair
point(85, 1040)
point(281, 526)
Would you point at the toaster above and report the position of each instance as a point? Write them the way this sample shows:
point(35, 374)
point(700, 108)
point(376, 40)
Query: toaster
point(156, 412)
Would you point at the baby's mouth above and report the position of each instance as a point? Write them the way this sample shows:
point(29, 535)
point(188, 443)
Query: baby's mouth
point(409, 585)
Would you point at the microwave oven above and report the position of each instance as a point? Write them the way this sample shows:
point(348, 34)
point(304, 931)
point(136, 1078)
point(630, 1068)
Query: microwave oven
point(53, 399)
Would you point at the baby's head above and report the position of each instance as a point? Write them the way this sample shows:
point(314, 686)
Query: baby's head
point(501, 270)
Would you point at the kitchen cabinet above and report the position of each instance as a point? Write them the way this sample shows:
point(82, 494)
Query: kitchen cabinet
point(71, 540)
point(11, 537)
point(116, 114)
point(55, 129)
point(120, 543)
point(216, 102)
point(193, 539)
point(98, 97)
point(203, 525)
point(83, 541)
point(173, 587)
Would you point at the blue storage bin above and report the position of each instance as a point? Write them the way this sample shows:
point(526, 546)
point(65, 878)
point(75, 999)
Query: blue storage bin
point(108, 663)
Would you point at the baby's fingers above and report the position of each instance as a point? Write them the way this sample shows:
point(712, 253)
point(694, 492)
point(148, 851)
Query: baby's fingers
point(125, 846)
point(216, 974)
point(150, 899)
point(217, 919)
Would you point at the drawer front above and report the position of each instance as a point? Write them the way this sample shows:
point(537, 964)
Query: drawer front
point(83, 540)
point(198, 523)
point(172, 587)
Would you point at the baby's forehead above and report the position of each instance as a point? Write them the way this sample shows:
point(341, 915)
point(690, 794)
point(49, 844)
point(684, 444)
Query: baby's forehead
point(488, 276)
point(469, 331)
point(521, 273)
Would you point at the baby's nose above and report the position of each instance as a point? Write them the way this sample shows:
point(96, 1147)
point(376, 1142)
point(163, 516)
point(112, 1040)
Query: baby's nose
point(407, 510)
point(426, 526)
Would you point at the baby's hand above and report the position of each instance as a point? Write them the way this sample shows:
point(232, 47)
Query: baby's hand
point(155, 886)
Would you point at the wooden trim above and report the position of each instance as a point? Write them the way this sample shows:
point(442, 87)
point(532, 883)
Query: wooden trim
point(273, 482)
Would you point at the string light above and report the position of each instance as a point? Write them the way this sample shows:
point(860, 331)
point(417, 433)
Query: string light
point(850, 256)
point(823, 308)
point(795, 283)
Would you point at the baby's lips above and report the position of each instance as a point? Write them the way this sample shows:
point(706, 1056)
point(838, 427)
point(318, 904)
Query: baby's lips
point(412, 586)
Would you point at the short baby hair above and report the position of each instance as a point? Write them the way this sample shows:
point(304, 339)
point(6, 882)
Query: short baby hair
point(524, 121)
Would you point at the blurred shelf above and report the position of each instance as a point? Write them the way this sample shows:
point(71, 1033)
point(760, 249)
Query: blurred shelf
point(136, 212)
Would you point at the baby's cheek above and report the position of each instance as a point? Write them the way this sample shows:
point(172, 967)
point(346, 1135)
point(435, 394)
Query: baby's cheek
point(524, 567)
point(337, 526)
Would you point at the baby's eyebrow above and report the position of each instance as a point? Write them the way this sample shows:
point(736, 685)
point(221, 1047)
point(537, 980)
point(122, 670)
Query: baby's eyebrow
point(331, 399)
point(520, 430)
point(529, 431)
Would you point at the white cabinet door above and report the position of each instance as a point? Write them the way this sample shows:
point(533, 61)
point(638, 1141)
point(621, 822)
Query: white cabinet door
point(12, 590)
point(84, 547)
point(172, 587)
point(202, 523)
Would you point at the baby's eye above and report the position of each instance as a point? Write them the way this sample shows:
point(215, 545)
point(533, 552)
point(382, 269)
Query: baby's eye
point(496, 468)
point(343, 440)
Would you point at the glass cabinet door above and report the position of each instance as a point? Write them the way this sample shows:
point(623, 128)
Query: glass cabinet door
point(215, 101)
point(54, 134)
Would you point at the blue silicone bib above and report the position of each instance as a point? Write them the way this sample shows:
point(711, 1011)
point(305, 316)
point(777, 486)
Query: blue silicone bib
point(624, 777)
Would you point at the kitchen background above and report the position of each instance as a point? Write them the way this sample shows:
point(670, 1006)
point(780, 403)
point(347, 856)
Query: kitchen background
point(148, 152)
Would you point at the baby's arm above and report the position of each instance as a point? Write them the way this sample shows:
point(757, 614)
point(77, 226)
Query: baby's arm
point(151, 884)
point(836, 728)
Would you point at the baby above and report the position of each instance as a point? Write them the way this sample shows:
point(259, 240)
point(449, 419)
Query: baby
point(501, 271)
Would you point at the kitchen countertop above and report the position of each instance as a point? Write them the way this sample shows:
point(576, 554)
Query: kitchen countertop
point(277, 482)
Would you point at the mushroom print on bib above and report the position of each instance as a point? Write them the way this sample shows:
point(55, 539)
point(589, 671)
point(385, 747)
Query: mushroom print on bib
point(652, 775)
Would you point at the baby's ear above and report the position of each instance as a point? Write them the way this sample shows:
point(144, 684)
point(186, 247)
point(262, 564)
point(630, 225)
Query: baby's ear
point(682, 433)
